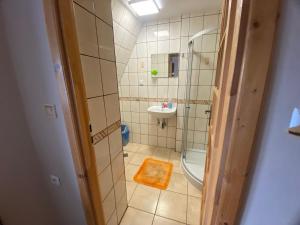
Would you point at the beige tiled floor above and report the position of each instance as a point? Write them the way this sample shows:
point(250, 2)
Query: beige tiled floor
point(178, 205)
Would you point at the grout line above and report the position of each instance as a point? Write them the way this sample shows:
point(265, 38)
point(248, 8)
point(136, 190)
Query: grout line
point(156, 207)
point(95, 57)
point(94, 14)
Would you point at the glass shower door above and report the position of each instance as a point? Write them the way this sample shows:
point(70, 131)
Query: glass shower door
point(194, 137)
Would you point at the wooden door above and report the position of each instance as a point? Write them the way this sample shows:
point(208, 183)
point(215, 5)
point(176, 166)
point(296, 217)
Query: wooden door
point(245, 25)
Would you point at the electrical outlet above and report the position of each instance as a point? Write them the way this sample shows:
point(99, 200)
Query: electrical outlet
point(55, 180)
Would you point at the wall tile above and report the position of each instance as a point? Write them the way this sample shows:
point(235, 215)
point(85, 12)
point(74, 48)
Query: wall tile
point(163, 31)
point(196, 25)
point(105, 182)
point(103, 10)
point(153, 129)
point(152, 140)
point(144, 129)
point(112, 108)
point(121, 207)
point(175, 46)
point(175, 29)
point(162, 141)
point(87, 4)
point(115, 143)
point(117, 167)
point(150, 33)
point(97, 114)
point(142, 36)
point(209, 43)
point(102, 154)
point(162, 91)
point(163, 46)
point(113, 220)
point(109, 206)
point(92, 76)
point(120, 189)
point(141, 50)
point(205, 77)
point(185, 26)
point(105, 40)
point(86, 31)
point(211, 21)
point(162, 132)
point(204, 92)
point(108, 72)
point(144, 139)
point(171, 143)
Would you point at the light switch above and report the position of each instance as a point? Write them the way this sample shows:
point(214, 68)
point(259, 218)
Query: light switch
point(50, 111)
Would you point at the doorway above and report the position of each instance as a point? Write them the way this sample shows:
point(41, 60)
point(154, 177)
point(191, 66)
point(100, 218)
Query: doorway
point(109, 203)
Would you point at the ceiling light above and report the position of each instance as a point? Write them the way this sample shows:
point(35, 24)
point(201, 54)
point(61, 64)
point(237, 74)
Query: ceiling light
point(144, 7)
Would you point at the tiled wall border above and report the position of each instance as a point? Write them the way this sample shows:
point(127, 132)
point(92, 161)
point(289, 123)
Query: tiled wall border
point(105, 132)
point(180, 101)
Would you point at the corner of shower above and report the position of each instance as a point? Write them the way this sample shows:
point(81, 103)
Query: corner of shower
point(192, 158)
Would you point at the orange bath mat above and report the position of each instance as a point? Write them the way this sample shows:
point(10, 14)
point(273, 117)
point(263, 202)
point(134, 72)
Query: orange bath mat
point(154, 173)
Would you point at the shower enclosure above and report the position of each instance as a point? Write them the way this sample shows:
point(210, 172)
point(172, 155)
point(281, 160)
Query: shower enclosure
point(193, 155)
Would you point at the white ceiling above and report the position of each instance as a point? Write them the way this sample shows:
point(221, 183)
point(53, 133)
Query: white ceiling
point(170, 8)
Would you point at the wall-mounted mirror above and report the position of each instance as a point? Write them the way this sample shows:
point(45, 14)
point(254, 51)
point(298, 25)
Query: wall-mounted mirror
point(165, 65)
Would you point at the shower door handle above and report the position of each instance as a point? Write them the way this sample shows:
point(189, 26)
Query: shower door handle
point(209, 118)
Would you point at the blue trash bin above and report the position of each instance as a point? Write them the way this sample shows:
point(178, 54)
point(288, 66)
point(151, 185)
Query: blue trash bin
point(125, 134)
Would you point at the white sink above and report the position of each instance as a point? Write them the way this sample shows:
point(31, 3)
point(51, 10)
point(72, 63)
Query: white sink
point(162, 113)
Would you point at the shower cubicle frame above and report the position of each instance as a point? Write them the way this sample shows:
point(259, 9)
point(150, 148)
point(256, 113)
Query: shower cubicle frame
point(192, 177)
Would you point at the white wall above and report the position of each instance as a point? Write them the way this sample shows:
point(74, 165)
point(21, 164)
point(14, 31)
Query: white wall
point(274, 196)
point(22, 188)
point(48, 152)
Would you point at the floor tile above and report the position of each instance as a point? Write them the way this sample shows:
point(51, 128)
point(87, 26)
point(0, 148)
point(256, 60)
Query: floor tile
point(136, 217)
point(167, 207)
point(146, 149)
point(130, 147)
point(130, 171)
point(130, 186)
point(145, 198)
point(138, 159)
point(164, 221)
point(193, 191)
point(162, 154)
point(178, 183)
point(175, 158)
point(175, 155)
point(129, 157)
point(194, 207)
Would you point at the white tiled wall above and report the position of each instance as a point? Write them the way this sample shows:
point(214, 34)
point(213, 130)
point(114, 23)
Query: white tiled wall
point(126, 29)
point(96, 45)
point(136, 81)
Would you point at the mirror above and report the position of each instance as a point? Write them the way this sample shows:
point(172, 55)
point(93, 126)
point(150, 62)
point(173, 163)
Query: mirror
point(165, 65)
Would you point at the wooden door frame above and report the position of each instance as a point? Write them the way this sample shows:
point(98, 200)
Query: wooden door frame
point(253, 47)
point(250, 55)
point(63, 42)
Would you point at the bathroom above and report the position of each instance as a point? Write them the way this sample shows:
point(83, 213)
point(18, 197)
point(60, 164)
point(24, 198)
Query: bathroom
point(153, 112)
point(141, 43)
point(154, 86)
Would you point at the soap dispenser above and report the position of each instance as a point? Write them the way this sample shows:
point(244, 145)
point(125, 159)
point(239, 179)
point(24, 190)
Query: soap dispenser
point(170, 104)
